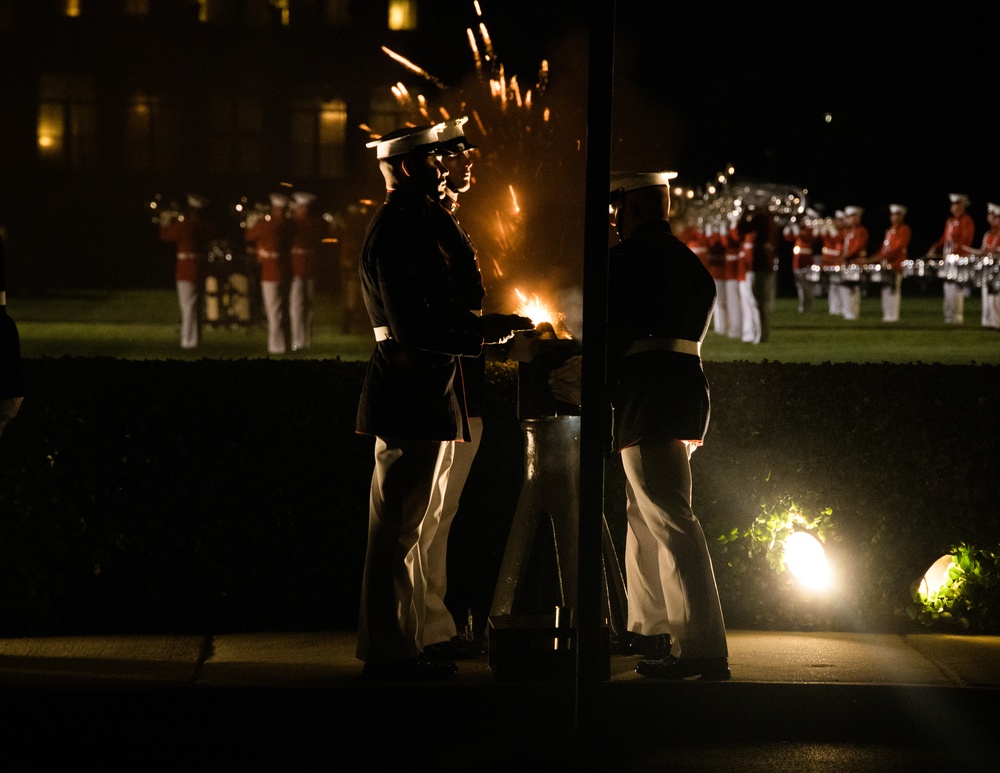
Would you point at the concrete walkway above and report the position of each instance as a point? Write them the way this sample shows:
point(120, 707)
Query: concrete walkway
point(326, 659)
point(931, 698)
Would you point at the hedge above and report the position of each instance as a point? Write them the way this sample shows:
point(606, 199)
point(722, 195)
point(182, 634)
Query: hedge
point(213, 496)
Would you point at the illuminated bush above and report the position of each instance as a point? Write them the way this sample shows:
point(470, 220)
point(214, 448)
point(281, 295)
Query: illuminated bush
point(967, 597)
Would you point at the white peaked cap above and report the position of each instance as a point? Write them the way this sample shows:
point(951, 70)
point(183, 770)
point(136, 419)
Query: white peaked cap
point(421, 140)
point(623, 182)
point(196, 201)
point(849, 211)
point(897, 209)
point(958, 198)
point(993, 209)
point(452, 137)
point(302, 197)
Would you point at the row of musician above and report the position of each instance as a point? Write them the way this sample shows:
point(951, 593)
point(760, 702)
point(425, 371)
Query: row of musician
point(830, 255)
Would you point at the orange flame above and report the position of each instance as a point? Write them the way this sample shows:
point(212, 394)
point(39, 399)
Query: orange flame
point(536, 309)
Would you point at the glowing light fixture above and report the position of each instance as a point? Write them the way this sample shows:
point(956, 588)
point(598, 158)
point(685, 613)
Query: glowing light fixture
point(936, 577)
point(806, 560)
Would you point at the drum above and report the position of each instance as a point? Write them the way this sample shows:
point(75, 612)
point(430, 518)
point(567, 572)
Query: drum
point(879, 274)
point(851, 272)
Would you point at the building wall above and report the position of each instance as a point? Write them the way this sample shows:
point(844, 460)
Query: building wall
point(110, 104)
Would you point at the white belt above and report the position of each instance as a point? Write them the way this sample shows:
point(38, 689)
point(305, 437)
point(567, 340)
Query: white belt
point(681, 345)
point(268, 254)
point(187, 256)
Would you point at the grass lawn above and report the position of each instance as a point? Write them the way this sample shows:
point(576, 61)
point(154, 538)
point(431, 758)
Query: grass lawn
point(143, 324)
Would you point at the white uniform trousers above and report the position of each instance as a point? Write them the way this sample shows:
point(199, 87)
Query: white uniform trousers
point(274, 310)
point(187, 297)
point(891, 296)
point(734, 309)
point(805, 290)
point(670, 581)
point(989, 316)
point(437, 624)
point(407, 496)
point(719, 320)
point(954, 304)
point(300, 311)
point(835, 298)
point(850, 304)
point(750, 311)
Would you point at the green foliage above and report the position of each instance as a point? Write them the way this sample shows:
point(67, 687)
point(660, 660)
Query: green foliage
point(968, 599)
point(169, 496)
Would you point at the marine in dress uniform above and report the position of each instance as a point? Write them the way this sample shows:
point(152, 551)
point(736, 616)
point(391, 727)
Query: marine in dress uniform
point(439, 635)
point(660, 303)
point(853, 252)
point(189, 233)
point(413, 398)
point(271, 235)
point(959, 231)
point(892, 254)
point(307, 232)
point(990, 249)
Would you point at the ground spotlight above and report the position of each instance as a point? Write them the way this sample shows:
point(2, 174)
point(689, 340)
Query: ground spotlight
point(936, 577)
point(806, 560)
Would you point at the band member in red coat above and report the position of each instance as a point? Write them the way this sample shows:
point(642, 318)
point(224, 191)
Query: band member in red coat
point(803, 239)
point(307, 232)
point(734, 277)
point(715, 261)
point(892, 254)
point(991, 254)
point(189, 233)
point(270, 234)
point(954, 244)
point(853, 252)
point(833, 238)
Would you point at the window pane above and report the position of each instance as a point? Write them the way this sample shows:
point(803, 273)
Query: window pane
point(402, 14)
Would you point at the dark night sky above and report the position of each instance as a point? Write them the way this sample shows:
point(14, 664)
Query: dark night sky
point(698, 87)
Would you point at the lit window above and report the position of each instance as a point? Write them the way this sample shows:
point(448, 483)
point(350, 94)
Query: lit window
point(402, 14)
point(283, 9)
point(67, 121)
point(137, 7)
point(319, 132)
point(72, 8)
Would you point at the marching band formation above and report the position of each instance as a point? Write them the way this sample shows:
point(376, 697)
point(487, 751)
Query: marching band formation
point(831, 258)
point(271, 279)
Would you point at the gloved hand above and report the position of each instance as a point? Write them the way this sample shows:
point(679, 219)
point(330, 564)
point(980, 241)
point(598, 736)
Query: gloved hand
point(497, 328)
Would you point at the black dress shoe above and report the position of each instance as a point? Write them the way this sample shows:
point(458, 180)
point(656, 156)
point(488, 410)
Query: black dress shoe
point(654, 647)
point(707, 669)
point(455, 648)
point(418, 669)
